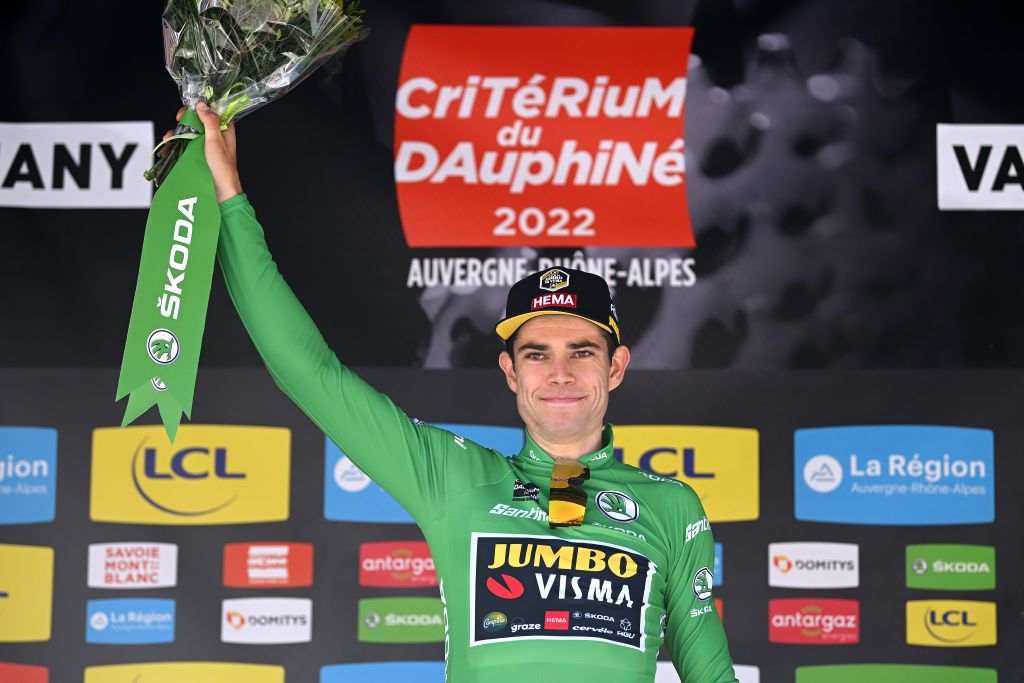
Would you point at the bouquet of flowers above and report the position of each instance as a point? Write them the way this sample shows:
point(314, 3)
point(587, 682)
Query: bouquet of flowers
point(237, 55)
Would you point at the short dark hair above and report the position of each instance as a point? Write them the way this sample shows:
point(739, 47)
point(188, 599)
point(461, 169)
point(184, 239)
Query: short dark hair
point(609, 338)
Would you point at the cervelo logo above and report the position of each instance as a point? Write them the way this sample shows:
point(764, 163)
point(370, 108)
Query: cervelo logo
point(136, 621)
point(133, 565)
point(951, 567)
point(28, 474)
point(719, 463)
point(26, 593)
point(23, 673)
point(396, 564)
point(553, 301)
point(268, 565)
point(267, 620)
point(382, 672)
point(401, 620)
point(814, 621)
point(951, 623)
point(166, 672)
point(211, 475)
point(558, 142)
point(980, 166)
point(901, 474)
point(666, 673)
point(813, 565)
point(75, 165)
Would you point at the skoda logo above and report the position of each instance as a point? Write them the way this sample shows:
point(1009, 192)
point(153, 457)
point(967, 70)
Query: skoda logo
point(823, 473)
point(617, 506)
point(920, 566)
point(702, 581)
point(372, 620)
point(159, 384)
point(162, 346)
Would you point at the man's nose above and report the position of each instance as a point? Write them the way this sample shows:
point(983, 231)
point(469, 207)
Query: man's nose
point(560, 371)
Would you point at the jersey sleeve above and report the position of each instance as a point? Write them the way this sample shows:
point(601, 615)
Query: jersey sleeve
point(406, 459)
point(693, 632)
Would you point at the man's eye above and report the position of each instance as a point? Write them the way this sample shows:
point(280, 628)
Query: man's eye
point(584, 353)
point(534, 355)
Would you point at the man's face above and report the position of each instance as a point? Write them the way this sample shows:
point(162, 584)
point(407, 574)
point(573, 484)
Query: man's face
point(562, 375)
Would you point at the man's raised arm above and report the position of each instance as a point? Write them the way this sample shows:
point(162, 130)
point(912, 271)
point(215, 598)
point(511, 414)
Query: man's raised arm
point(404, 458)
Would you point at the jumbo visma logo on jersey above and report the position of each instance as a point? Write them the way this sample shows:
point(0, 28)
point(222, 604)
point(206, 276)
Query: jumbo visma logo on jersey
point(212, 474)
point(527, 586)
point(719, 463)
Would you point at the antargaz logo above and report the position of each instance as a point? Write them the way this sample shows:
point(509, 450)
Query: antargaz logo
point(719, 463)
point(212, 475)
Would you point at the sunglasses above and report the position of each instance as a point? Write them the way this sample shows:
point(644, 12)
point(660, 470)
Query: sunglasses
point(568, 500)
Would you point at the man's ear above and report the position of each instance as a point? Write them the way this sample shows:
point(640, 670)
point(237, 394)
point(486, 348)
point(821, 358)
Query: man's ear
point(620, 359)
point(505, 363)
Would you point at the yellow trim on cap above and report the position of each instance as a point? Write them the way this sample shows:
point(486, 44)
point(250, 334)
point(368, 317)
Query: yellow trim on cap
point(506, 328)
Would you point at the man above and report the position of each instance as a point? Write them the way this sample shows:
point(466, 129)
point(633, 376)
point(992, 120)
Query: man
point(560, 562)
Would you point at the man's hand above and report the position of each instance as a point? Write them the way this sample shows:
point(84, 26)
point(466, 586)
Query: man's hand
point(220, 152)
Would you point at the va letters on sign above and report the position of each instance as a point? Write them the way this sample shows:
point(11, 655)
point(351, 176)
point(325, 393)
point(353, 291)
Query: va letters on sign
point(75, 165)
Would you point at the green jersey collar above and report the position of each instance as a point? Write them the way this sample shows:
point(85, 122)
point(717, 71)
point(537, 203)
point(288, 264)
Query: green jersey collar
point(533, 455)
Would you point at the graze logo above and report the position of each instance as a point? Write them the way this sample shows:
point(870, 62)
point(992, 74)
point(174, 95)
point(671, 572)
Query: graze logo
point(951, 567)
point(267, 620)
point(210, 475)
point(129, 622)
point(396, 564)
point(23, 673)
point(133, 565)
point(951, 623)
point(617, 506)
point(980, 166)
point(177, 672)
point(553, 586)
point(814, 621)
point(900, 474)
point(28, 474)
point(382, 672)
point(813, 565)
point(719, 463)
point(894, 673)
point(268, 565)
point(541, 136)
point(75, 165)
point(401, 620)
point(26, 593)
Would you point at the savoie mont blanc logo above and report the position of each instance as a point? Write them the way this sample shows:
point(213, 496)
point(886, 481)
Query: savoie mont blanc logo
point(895, 474)
point(617, 506)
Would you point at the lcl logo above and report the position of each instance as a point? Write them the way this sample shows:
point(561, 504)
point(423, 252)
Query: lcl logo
point(687, 457)
point(178, 469)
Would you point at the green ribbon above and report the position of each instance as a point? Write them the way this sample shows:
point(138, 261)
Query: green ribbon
point(165, 334)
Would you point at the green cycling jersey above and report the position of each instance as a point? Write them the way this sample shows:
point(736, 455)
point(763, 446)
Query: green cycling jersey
point(589, 602)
